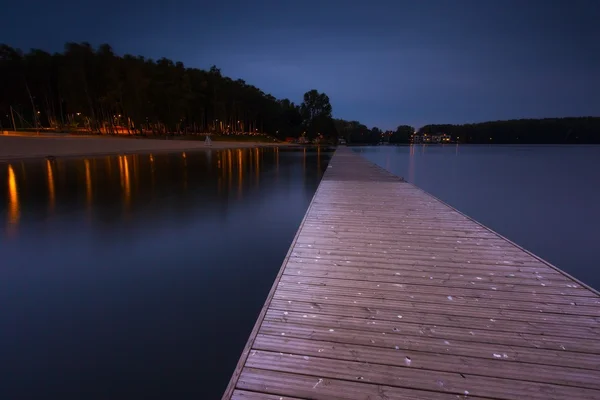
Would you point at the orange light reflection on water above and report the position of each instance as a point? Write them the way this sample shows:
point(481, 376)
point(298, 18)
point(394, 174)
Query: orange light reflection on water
point(88, 183)
point(256, 163)
point(229, 168)
point(240, 160)
point(125, 182)
point(51, 191)
point(14, 211)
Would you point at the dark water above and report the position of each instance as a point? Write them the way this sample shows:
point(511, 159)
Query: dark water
point(544, 198)
point(141, 276)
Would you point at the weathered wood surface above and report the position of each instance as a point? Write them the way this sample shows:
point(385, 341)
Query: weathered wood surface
point(388, 293)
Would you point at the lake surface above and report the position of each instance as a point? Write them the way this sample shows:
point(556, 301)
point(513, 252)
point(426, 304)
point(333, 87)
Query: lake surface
point(544, 198)
point(141, 276)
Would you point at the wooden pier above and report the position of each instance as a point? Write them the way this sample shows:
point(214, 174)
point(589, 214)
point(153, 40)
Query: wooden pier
point(389, 293)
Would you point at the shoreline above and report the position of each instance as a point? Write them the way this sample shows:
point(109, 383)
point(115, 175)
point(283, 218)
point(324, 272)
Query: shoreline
point(22, 148)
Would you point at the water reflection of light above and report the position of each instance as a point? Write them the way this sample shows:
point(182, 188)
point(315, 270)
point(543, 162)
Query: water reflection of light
point(250, 162)
point(121, 171)
point(13, 197)
point(257, 163)
point(318, 158)
point(88, 183)
point(23, 172)
point(229, 168)
point(220, 174)
point(152, 173)
point(185, 172)
point(411, 164)
point(125, 182)
point(136, 169)
point(304, 160)
point(240, 159)
point(51, 193)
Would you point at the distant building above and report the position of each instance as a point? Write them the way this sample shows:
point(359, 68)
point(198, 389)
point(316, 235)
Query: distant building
point(432, 138)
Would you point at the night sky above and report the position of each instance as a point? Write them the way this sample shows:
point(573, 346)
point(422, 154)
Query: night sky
point(381, 62)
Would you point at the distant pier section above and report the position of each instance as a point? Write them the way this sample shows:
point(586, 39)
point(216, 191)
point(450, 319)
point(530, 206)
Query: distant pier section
point(389, 293)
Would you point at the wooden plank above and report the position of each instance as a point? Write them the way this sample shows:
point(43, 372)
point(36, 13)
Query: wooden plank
point(459, 260)
point(447, 308)
point(442, 283)
point(399, 263)
point(455, 247)
point(444, 333)
point(388, 293)
point(436, 320)
point(537, 273)
point(306, 240)
point(433, 345)
point(407, 377)
point(244, 395)
point(514, 275)
point(430, 361)
point(322, 388)
point(415, 291)
point(440, 298)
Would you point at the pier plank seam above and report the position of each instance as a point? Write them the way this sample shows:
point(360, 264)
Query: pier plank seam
point(347, 317)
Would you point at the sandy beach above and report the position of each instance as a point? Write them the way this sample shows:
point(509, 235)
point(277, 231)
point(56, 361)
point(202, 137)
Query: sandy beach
point(25, 147)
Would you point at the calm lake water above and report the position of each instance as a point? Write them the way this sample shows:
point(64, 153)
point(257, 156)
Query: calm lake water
point(544, 198)
point(141, 276)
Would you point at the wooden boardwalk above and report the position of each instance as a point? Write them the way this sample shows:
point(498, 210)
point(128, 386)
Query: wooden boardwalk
point(388, 293)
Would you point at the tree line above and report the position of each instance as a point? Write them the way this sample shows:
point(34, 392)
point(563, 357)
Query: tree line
point(526, 131)
point(570, 130)
point(95, 90)
point(353, 132)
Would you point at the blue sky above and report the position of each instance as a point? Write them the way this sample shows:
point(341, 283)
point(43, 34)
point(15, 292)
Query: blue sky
point(384, 63)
